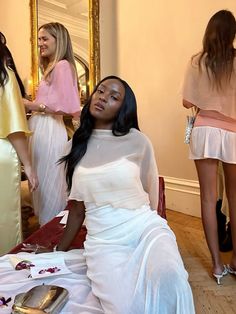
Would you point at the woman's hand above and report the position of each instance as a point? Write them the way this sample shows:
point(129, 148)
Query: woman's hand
point(32, 178)
point(41, 249)
point(31, 106)
point(27, 105)
point(19, 142)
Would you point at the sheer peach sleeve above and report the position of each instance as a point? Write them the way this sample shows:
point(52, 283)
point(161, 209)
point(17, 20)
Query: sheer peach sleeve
point(198, 89)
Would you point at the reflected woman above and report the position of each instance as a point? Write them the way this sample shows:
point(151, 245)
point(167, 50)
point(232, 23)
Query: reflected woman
point(57, 95)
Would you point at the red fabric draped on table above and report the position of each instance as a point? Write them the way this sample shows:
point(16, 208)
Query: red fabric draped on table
point(50, 234)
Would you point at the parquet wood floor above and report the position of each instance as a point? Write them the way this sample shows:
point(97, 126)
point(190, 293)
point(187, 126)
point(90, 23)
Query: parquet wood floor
point(209, 298)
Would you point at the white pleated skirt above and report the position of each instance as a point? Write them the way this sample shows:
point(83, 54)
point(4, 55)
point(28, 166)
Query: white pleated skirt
point(47, 145)
point(215, 143)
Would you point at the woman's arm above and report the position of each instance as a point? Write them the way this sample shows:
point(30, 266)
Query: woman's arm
point(63, 96)
point(32, 106)
point(19, 142)
point(74, 224)
point(149, 173)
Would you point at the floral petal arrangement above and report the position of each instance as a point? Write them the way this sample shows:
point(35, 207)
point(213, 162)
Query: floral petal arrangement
point(3, 301)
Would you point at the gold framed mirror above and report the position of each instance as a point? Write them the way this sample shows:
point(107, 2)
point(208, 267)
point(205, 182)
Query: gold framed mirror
point(93, 43)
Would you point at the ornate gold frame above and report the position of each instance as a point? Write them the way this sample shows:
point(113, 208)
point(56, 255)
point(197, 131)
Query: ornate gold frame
point(94, 44)
point(34, 45)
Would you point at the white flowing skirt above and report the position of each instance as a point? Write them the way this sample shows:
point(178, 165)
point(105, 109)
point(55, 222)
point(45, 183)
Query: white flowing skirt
point(134, 264)
point(47, 146)
point(210, 142)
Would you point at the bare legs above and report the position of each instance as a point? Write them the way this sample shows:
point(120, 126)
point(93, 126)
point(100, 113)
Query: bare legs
point(230, 186)
point(207, 175)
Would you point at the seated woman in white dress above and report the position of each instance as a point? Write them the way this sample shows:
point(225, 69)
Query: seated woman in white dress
point(132, 257)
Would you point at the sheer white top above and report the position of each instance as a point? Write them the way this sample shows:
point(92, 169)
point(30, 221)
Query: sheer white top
point(118, 171)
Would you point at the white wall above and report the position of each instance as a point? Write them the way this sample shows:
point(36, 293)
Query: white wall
point(154, 41)
point(108, 37)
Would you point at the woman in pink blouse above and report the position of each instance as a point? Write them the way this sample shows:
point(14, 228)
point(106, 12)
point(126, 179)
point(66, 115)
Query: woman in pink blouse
point(57, 96)
point(210, 85)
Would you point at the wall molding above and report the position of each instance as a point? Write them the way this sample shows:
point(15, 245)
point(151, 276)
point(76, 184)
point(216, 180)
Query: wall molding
point(183, 196)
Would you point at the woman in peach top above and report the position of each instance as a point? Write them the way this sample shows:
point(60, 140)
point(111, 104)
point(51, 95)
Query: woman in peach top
point(210, 85)
point(57, 96)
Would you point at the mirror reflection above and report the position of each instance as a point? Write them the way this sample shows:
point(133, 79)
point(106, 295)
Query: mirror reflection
point(74, 16)
point(83, 30)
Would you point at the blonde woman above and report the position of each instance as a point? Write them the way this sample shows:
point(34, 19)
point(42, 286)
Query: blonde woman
point(57, 95)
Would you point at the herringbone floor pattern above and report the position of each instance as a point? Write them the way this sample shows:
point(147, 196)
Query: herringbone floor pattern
point(208, 297)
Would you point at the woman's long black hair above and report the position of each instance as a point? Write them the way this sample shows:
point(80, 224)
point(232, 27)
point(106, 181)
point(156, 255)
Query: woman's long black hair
point(126, 119)
point(6, 59)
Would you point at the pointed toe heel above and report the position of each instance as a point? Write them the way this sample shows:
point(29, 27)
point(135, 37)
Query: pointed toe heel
point(218, 277)
point(231, 270)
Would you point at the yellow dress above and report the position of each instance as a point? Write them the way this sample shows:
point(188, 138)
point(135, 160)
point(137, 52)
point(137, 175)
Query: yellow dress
point(12, 119)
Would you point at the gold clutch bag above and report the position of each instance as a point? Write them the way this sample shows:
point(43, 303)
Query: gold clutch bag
point(40, 300)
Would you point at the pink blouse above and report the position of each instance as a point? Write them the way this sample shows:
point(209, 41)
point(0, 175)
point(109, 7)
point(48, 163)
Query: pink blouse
point(60, 93)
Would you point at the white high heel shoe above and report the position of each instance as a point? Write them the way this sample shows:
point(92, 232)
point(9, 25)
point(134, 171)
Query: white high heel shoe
point(218, 277)
point(231, 270)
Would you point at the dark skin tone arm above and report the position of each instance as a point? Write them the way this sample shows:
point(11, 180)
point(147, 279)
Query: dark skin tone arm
point(74, 223)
